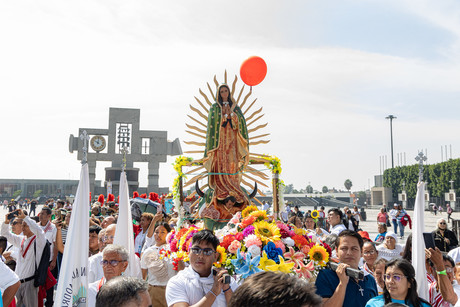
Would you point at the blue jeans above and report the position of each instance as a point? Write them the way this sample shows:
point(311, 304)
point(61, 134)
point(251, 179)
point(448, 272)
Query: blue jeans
point(395, 225)
point(401, 228)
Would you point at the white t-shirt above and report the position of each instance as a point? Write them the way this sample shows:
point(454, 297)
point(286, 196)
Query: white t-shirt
point(389, 254)
point(139, 242)
point(159, 270)
point(95, 268)
point(356, 215)
point(50, 231)
point(187, 286)
point(148, 242)
point(93, 289)
point(7, 277)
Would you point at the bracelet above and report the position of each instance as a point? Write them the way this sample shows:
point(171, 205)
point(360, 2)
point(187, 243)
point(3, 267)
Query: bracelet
point(210, 291)
point(441, 272)
point(229, 288)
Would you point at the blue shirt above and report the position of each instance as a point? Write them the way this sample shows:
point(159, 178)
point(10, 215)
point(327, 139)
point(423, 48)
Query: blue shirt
point(379, 301)
point(327, 282)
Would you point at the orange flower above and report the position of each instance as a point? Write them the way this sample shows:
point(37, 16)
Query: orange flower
point(248, 221)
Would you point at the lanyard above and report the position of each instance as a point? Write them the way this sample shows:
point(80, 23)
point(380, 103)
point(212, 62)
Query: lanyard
point(100, 284)
point(27, 248)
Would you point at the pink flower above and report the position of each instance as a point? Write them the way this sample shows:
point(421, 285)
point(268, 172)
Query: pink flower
point(252, 240)
point(280, 244)
point(234, 246)
point(239, 236)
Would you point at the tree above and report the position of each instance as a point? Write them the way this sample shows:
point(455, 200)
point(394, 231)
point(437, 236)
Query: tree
point(17, 193)
point(348, 184)
point(325, 189)
point(309, 189)
point(37, 193)
point(289, 189)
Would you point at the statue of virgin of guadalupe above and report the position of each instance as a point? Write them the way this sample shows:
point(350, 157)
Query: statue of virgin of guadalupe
point(226, 155)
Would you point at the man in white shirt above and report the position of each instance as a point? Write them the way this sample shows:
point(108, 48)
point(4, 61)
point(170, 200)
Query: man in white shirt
point(50, 231)
point(197, 285)
point(139, 240)
point(334, 218)
point(27, 294)
point(95, 268)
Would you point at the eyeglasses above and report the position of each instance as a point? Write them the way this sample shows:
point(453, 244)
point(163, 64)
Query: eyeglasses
point(449, 270)
point(107, 238)
point(14, 223)
point(205, 251)
point(396, 278)
point(369, 253)
point(442, 223)
point(113, 263)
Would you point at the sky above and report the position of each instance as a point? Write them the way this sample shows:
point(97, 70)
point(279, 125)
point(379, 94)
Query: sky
point(336, 69)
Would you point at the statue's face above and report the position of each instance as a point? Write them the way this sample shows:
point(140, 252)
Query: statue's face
point(224, 93)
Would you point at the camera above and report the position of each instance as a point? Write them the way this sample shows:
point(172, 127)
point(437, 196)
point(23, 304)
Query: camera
point(227, 278)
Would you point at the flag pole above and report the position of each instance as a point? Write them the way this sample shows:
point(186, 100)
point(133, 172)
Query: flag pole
point(72, 287)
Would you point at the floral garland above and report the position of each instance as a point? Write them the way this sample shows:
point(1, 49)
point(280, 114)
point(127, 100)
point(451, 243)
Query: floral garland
point(251, 242)
point(274, 164)
point(180, 161)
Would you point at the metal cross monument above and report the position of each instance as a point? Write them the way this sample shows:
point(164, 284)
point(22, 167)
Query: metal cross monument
point(420, 159)
point(123, 144)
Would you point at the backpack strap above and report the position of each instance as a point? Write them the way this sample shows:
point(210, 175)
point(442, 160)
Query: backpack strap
point(35, 254)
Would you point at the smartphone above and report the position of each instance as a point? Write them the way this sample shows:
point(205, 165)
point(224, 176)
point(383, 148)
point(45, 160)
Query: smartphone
point(160, 208)
point(428, 237)
point(12, 215)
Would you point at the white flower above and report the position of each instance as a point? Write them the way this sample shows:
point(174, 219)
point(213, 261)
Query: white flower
point(254, 250)
point(288, 241)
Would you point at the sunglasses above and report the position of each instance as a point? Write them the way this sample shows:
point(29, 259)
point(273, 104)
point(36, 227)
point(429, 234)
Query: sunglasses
point(205, 251)
point(396, 278)
point(442, 223)
point(113, 263)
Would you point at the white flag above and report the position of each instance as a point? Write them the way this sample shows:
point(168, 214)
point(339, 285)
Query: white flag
point(73, 277)
point(418, 243)
point(124, 230)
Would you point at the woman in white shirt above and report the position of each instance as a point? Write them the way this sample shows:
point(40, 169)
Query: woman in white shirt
point(159, 269)
point(390, 249)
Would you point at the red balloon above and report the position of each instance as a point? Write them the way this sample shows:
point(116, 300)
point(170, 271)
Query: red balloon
point(253, 70)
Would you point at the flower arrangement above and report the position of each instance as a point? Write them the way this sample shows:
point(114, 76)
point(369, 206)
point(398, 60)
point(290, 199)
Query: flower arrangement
point(178, 163)
point(251, 242)
point(274, 164)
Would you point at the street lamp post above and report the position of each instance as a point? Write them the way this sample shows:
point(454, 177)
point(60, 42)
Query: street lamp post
point(391, 117)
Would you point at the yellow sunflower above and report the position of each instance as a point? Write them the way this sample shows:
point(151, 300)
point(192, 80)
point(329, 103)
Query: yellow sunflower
point(319, 255)
point(222, 258)
point(248, 211)
point(260, 215)
point(315, 214)
point(266, 231)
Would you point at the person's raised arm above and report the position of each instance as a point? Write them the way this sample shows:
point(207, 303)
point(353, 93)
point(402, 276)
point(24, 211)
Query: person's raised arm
point(338, 297)
point(12, 238)
point(59, 244)
point(155, 219)
point(444, 284)
point(34, 227)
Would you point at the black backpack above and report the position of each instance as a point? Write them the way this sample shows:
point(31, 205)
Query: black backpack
point(41, 272)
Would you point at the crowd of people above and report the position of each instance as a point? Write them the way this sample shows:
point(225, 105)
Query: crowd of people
point(389, 277)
